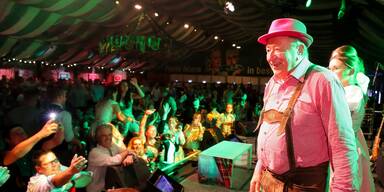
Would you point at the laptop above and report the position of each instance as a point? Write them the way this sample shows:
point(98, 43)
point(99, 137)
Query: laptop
point(161, 182)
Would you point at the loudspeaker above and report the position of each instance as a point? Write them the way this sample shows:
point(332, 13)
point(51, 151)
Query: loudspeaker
point(134, 175)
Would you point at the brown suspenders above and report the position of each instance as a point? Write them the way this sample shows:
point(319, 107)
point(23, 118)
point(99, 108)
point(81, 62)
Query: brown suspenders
point(284, 117)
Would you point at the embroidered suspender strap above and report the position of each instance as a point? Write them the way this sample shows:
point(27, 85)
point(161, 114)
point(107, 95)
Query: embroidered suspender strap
point(288, 110)
point(260, 120)
point(290, 150)
point(286, 113)
point(285, 126)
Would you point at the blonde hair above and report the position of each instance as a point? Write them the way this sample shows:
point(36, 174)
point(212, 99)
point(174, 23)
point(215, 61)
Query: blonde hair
point(130, 145)
point(347, 54)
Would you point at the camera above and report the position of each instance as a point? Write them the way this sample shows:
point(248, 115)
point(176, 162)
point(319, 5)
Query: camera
point(52, 116)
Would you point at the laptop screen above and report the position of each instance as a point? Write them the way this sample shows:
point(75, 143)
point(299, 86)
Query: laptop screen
point(163, 184)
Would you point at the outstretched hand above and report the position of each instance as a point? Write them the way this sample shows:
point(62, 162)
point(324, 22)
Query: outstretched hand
point(4, 175)
point(78, 163)
point(133, 81)
point(166, 108)
point(150, 111)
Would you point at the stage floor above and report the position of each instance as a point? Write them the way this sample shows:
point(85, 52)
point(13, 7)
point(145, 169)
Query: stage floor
point(191, 183)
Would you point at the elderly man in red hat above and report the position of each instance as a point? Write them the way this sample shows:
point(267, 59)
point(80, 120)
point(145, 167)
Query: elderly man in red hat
point(305, 124)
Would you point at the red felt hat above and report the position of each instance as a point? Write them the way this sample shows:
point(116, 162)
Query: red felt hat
point(287, 27)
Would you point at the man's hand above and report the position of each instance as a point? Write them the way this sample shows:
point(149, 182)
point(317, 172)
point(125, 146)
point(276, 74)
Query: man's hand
point(149, 111)
point(78, 163)
point(49, 128)
point(128, 160)
point(255, 183)
point(133, 81)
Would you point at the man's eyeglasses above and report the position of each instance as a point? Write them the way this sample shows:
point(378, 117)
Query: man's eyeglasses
point(50, 163)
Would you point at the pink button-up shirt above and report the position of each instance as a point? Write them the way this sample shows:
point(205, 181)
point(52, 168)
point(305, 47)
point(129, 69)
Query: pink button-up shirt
point(321, 126)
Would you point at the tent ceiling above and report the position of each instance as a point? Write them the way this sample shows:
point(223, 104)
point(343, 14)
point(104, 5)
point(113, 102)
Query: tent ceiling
point(69, 31)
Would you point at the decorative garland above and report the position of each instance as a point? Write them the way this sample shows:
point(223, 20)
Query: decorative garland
point(116, 43)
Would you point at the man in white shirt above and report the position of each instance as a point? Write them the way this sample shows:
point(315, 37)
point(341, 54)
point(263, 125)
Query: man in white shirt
point(105, 154)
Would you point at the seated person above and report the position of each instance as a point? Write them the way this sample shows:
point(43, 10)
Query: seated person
point(194, 133)
point(18, 156)
point(50, 173)
point(226, 120)
point(105, 154)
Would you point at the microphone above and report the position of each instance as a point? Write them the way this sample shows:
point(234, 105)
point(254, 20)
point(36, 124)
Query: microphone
point(341, 12)
point(374, 77)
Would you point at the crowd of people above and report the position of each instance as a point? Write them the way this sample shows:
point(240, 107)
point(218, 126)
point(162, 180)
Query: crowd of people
point(91, 126)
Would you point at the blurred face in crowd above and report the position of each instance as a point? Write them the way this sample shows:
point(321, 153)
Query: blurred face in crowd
point(124, 86)
point(48, 164)
point(151, 132)
point(137, 145)
point(104, 136)
point(229, 108)
point(63, 98)
point(196, 118)
point(173, 122)
point(16, 136)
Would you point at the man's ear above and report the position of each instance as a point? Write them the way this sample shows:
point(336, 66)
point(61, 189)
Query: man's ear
point(300, 49)
point(38, 169)
point(351, 71)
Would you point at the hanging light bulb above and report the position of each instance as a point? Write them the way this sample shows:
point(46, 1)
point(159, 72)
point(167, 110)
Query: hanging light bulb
point(229, 7)
point(308, 4)
point(138, 6)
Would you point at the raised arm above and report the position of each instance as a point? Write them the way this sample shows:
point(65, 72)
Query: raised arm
point(56, 140)
point(136, 85)
point(143, 122)
point(164, 117)
point(119, 114)
point(25, 146)
point(78, 163)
